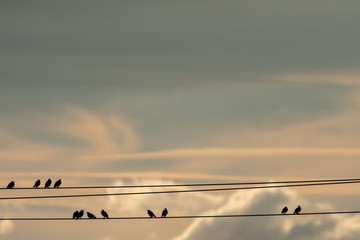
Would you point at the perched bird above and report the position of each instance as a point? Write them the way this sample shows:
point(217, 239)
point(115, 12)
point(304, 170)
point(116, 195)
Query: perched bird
point(37, 183)
point(151, 214)
point(48, 183)
point(297, 210)
point(284, 210)
point(164, 213)
point(104, 214)
point(11, 185)
point(81, 213)
point(57, 183)
point(76, 215)
point(90, 215)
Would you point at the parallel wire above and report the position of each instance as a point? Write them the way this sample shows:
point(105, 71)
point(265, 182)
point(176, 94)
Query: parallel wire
point(194, 184)
point(186, 217)
point(178, 191)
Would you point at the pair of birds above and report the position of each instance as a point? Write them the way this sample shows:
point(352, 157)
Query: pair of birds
point(48, 183)
point(163, 214)
point(296, 211)
point(79, 214)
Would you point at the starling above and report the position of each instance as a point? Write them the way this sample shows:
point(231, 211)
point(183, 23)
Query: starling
point(164, 213)
point(151, 214)
point(284, 211)
point(105, 215)
point(90, 215)
point(37, 183)
point(48, 183)
point(76, 215)
point(81, 213)
point(297, 210)
point(11, 185)
point(57, 183)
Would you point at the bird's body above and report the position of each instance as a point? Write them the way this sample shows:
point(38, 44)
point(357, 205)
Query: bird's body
point(57, 183)
point(297, 210)
point(48, 183)
point(76, 215)
point(105, 215)
point(164, 213)
point(284, 210)
point(90, 215)
point(151, 214)
point(11, 185)
point(37, 183)
point(81, 213)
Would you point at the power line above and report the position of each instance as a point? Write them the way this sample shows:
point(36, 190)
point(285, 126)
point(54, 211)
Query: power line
point(187, 217)
point(192, 184)
point(178, 191)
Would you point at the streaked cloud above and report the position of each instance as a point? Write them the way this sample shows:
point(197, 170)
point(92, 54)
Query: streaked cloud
point(347, 78)
point(103, 132)
point(222, 152)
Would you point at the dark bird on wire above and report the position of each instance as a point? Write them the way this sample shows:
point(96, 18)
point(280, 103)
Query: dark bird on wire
point(164, 213)
point(37, 183)
point(151, 214)
point(297, 210)
point(81, 213)
point(11, 185)
point(90, 215)
point(105, 215)
point(76, 215)
point(284, 210)
point(57, 183)
point(48, 183)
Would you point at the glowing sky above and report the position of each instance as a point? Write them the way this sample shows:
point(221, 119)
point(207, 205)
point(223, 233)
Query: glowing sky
point(142, 92)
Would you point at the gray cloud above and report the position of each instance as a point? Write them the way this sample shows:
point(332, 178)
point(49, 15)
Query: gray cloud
point(131, 43)
point(284, 228)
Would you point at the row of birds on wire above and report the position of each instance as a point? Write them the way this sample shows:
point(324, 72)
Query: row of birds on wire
point(37, 184)
point(80, 214)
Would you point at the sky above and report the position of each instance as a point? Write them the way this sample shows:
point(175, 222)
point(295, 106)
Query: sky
point(171, 92)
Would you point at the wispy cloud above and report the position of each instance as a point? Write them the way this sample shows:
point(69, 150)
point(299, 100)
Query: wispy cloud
point(103, 132)
point(90, 132)
point(221, 152)
point(339, 78)
point(6, 226)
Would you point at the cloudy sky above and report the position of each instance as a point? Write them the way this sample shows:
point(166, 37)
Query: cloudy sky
point(149, 92)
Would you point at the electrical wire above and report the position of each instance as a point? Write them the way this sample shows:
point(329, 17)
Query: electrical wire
point(177, 191)
point(185, 217)
point(191, 185)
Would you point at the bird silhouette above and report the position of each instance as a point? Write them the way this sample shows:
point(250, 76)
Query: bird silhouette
point(151, 214)
point(37, 183)
point(81, 213)
point(57, 183)
point(297, 210)
point(104, 214)
point(48, 183)
point(164, 213)
point(284, 210)
point(11, 185)
point(76, 215)
point(90, 215)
